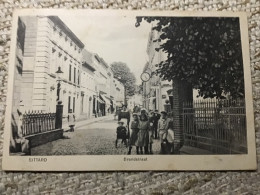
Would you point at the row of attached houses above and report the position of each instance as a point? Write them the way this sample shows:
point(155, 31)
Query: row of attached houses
point(87, 84)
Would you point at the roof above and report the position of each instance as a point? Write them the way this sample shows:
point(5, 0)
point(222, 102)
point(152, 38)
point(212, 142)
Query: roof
point(87, 60)
point(101, 60)
point(66, 29)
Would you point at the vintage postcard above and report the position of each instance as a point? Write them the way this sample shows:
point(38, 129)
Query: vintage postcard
point(96, 90)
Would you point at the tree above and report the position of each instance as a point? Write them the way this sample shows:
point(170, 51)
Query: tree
point(204, 51)
point(125, 76)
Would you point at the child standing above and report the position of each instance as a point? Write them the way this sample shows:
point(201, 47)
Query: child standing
point(143, 134)
point(121, 133)
point(134, 133)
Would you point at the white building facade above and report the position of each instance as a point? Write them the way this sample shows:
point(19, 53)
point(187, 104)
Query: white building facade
point(155, 91)
point(50, 44)
point(88, 85)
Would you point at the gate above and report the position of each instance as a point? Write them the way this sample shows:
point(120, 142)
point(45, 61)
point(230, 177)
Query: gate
point(216, 125)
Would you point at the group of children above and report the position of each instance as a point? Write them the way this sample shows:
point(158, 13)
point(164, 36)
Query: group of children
point(143, 133)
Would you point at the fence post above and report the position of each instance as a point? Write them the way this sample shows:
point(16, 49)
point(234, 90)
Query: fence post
point(59, 114)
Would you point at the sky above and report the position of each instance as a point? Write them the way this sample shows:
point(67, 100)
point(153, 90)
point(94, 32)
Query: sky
point(114, 38)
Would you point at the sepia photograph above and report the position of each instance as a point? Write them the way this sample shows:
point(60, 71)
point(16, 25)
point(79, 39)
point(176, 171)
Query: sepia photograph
point(130, 87)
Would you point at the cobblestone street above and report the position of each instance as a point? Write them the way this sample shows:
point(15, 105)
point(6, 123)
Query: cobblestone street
point(97, 138)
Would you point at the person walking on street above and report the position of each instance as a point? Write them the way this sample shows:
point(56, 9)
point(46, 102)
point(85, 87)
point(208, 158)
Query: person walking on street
point(134, 133)
point(71, 120)
point(163, 126)
point(121, 133)
point(151, 132)
point(170, 137)
point(143, 134)
point(156, 119)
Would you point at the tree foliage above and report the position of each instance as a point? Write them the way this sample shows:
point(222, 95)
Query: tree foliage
point(125, 76)
point(204, 51)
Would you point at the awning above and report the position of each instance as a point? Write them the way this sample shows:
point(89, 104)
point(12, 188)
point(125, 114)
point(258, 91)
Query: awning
point(106, 100)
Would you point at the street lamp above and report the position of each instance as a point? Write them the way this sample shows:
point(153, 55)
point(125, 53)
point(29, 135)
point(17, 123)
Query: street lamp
point(58, 72)
point(59, 106)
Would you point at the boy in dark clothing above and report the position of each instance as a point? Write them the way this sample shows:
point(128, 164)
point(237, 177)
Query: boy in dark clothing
point(156, 118)
point(121, 133)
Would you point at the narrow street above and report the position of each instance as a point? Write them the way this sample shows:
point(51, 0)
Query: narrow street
point(96, 138)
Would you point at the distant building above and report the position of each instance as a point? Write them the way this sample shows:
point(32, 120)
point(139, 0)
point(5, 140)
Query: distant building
point(88, 85)
point(135, 100)
point(103, 76)
point(118, 90)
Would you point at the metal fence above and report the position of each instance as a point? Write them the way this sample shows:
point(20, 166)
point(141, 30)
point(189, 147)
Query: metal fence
point(37, 122)
point(216, 125)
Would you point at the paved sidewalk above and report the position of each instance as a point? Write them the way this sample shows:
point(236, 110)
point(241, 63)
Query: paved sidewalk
point(84, 122)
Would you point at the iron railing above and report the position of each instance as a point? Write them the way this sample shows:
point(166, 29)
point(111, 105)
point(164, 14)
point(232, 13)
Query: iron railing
point(37, 122)
point(216, 125)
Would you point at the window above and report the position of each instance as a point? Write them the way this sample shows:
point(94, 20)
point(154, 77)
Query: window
point(74, 75)
point(70, 73)
point(78, 78)
point(73, 104)
point(69, 104)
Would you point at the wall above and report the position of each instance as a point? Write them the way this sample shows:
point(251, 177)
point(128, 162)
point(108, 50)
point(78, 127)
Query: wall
point(43, 138)
point(16, 115)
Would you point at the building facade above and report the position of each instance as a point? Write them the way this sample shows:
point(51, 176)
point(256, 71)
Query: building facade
point(18, 67)
point(156, 94)
point(119, 91)
point(50, 45)
point(135, 100)
point(88, 86)
point(53, 65)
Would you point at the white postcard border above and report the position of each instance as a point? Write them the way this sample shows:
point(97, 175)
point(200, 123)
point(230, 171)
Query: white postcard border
point(133, 162)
